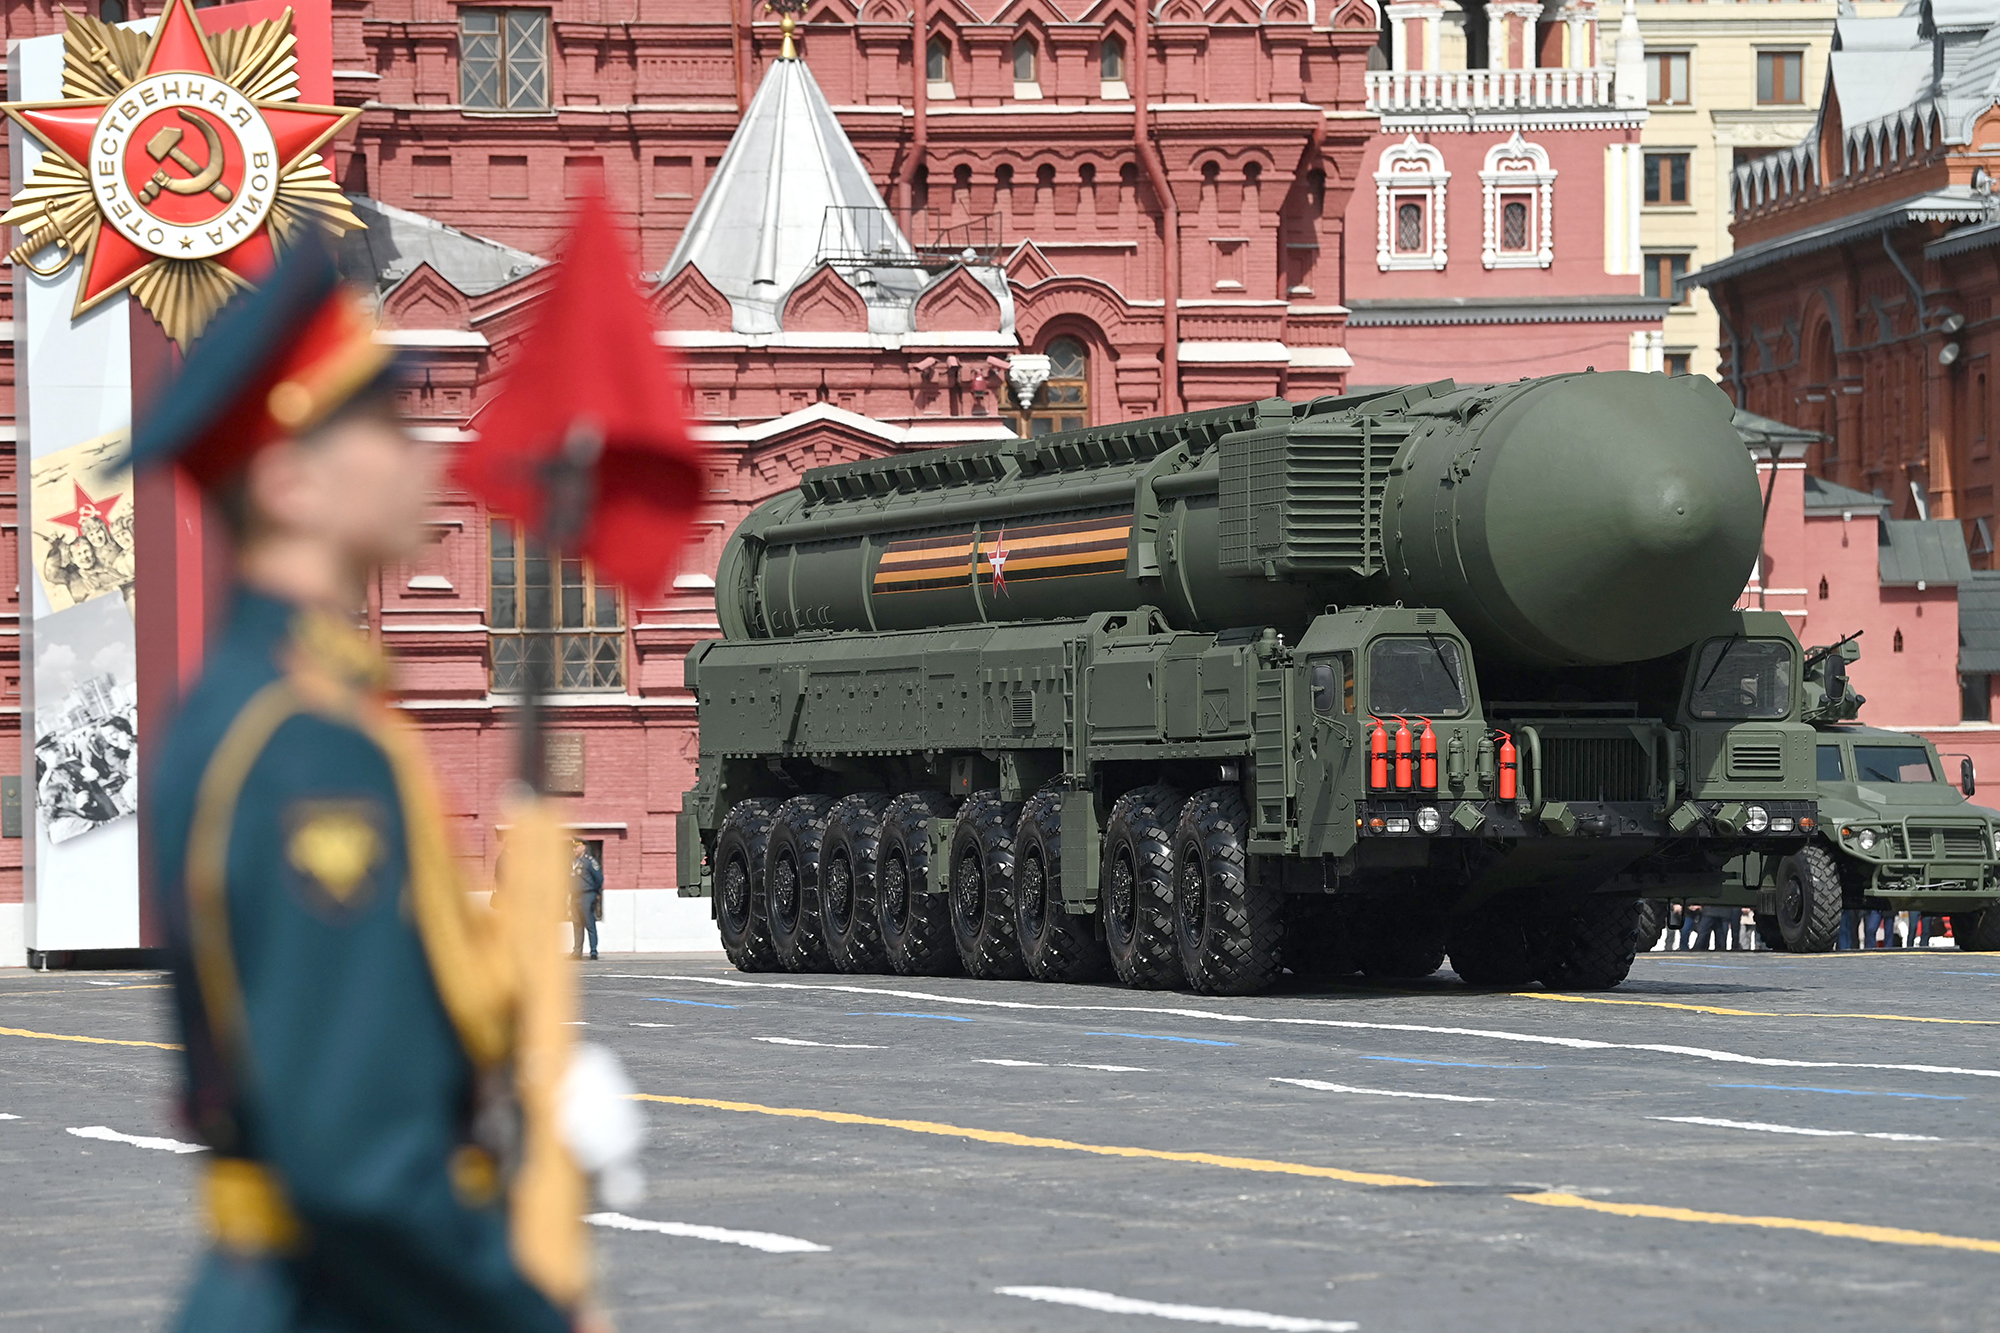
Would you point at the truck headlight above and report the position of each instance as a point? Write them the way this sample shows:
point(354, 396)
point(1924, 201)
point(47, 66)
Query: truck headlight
point(1429, 820)
point(1865, 840)
point(1756, 819)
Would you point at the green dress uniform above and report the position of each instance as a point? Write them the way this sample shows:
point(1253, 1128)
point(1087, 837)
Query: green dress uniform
point(347, 1014)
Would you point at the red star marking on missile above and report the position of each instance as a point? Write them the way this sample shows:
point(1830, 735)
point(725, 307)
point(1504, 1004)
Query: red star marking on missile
point(86, 507)
point(998, 559)
point(178, 48)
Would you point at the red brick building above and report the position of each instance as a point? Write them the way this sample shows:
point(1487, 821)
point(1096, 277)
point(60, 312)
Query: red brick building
point(1091, 211)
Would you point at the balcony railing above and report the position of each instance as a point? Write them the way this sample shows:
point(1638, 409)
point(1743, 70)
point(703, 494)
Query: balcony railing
point(1417, 90)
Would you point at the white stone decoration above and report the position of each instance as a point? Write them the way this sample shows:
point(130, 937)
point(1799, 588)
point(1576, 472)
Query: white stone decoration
point(1520, 167)
point(1027, 372)
point(1410, 169)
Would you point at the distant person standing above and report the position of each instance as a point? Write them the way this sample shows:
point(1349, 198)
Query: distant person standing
point(586, 887)
point(1718, 927)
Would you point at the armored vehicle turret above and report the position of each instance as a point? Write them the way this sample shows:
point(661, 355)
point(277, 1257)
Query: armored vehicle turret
point(1355, 682)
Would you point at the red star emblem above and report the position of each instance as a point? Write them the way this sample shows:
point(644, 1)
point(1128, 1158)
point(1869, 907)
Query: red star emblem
point(998, 559)
point(86, 507)
point(194, 178)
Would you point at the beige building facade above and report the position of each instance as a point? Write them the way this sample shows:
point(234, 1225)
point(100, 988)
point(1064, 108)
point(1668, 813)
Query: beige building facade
point(1726, 82)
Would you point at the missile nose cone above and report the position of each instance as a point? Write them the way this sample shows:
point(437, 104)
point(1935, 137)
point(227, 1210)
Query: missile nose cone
point(1672, 517)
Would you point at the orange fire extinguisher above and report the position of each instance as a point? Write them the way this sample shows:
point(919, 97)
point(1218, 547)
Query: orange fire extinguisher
point(1427, 757)
point(1378, 755)
point(1510, 768)
point(1402, 754)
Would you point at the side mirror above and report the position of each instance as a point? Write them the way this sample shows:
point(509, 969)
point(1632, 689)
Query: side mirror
point(1965, 777)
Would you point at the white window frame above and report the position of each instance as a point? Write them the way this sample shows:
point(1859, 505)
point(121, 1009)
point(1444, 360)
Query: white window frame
point(1519, 167)
point(1410, 168)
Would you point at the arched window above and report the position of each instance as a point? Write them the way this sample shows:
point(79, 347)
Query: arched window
point(1409, 207)
point(1025, 61)
point(1063, 401)
point(1519, 186)
point(1823, 590)
point(1111, 59)
point(937, 61)
point(1897, 647)
point(111, 11)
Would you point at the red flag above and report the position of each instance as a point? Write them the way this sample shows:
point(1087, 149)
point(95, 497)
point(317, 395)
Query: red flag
point(590, 374)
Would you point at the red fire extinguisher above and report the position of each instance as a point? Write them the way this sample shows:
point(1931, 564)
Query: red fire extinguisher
point(1510, 768)
point(1378, 756)
point(1402, 754)
point(1427, 757)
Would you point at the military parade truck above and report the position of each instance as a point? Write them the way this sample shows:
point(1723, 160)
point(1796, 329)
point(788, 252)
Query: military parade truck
point(1894, 834)
point(1351, 683)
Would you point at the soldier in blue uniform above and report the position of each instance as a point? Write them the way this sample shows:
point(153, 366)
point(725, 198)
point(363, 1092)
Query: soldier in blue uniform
point(347, 1012)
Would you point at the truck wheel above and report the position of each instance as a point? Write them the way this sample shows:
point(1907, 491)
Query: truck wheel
point(1490, 947)
point(1397, 947)
point(847, 882)
point(1229, 925)
point(915, 924)
point(1977, 931)
point(982, 888)
point(1653, 914)
point(739, 886)
point(791, 878)
point(1056, 945)
point(1587, 946)
point(1809, 901)
point(1136, 897)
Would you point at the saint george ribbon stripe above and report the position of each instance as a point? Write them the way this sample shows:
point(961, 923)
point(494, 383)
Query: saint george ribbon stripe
point(1863, 1231)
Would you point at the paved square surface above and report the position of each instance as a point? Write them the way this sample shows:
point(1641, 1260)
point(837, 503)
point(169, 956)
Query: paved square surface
point(1729, 1141)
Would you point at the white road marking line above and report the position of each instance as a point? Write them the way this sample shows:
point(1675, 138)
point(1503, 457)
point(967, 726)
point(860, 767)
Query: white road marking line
point(649, 1025)
point(1796, 1129)
point(1108, 1303)
point(770, 1242)
point(9, 1117)
point(1039, 1064)
point(136, 1140)
point(1318, 1086)
point(1113, 1069)
point(1490, 1034)
point(830, 1045)
point(1014, 1064)
point(576, 1023)
point(104, 983)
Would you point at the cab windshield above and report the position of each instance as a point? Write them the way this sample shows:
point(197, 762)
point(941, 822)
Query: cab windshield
point(1416, 677)
point(1893, 763)
point(1830, 769)
point(1742, 679)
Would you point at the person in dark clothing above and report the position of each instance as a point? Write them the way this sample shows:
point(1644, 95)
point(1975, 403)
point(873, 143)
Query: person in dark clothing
point(586, 889)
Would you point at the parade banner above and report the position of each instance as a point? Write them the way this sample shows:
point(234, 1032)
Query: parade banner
point(157, 168)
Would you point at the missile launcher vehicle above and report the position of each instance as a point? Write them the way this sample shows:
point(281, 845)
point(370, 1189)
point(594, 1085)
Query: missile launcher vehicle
point(1349, 684)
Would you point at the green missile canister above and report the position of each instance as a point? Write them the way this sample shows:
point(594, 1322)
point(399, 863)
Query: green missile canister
point(1577, 519)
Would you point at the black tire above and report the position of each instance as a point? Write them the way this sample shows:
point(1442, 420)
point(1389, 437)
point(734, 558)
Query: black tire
point(739, 886)
point(1978, 932)
point(982, 888)
point(1055, 945)
point(1491, 947)
point(1229, 924)
point(847, 883)
point(913, 923)
point(1768, 933)
point(1588, 945)
point(1136, 889)
point(1319, 937)
point(1652, 923)
point(1809, 901)
point(791, 884)
point(1397, 946)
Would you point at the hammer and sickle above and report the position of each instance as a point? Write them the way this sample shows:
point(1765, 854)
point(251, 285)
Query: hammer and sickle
point(165, 147)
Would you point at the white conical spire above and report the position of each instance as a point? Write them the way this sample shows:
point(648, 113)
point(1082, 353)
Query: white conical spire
point(789, 189)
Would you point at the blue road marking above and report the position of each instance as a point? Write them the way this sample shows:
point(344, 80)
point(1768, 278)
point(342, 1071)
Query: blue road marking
point(699, 1004)
point(1148, 1036)
point(945, 1018)
point(1455, 1064)
point(1950, 973)
point(1839, 1092)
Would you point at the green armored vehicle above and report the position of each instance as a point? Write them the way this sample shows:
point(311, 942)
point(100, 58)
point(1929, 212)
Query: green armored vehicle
point(1352, 683)
point(1894, 835)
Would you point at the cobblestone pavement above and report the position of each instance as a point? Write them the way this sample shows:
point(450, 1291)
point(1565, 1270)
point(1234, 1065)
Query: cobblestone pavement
point(1728, 1141)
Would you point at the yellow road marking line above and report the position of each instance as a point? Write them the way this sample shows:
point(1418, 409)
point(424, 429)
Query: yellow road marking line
point(1749, 1013)
point(1844, 1230)
point(1013, 1140)
point(94, 1041)
point(1841, 1230)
